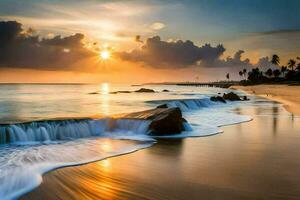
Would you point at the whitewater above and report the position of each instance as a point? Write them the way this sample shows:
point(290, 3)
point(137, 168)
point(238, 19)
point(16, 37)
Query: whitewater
point(34, 139)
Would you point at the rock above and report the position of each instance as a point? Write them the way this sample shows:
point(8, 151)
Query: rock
point(165, 91)
point(245, 98)
point(162, 106)
point(93, 93)
point(124, 91)
point(217, 98)
point(169, 121)
point(145, 90)
point(231, 97)
point(164, 121)
point(116, 92)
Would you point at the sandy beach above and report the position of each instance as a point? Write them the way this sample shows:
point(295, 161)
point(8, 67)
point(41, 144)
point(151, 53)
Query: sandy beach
point(253, 160)
point(288, 95)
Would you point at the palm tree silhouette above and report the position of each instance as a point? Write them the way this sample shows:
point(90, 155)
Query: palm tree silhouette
point(275, 60)
point(227, 76)
point(291, 64)
point(276, 73)
point(241, 73)
point(269, 72)
point(283, 70)
point(298, 65)
point(245, 73)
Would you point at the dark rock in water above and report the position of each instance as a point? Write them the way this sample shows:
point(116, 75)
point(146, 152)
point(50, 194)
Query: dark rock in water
point(93, 93)
point(145, 90)
point(245, 98)
point(167, 122)
point(217, 98)
point(116, 92)
point(124, 91)
point(166, 91)
point(219, 93)
point(162, 106)
point(164, 121)
point(231, 96)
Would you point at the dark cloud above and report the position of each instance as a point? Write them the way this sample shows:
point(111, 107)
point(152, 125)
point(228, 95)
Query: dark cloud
point(281, 31)
point(235, 61)
point(138, 38)
point(156, 52)
point(180, 54)
point(22, 49)
point(264, 63)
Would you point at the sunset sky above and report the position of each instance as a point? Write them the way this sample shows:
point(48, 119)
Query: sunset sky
point(143, 41)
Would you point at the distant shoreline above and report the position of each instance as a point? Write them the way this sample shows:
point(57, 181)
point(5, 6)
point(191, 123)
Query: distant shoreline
point(289, 95)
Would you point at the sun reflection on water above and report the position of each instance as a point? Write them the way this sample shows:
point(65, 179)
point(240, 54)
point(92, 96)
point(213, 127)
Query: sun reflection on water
point(105, 99)
point(104, 88)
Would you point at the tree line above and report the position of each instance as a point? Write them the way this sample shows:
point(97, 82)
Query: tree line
point(282, 73)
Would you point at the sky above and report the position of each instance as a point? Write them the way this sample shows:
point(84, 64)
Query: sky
point(145, 41)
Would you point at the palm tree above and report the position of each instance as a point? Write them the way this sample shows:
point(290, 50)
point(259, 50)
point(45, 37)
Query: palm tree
point(275, 60)
point(227, 76)
point(276, 73)
point(269, 72)
point(241, 73)
point(298, 65)
point(283, 70)
point(245, 72)
point(255, 75)
point(291, 64)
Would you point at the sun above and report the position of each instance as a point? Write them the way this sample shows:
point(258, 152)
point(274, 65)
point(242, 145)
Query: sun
point(104, 55)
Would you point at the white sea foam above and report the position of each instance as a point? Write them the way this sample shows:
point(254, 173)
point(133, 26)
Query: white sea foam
point(21, 167)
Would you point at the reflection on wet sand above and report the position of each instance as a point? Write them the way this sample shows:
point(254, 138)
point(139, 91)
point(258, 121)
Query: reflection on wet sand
point(255, 160)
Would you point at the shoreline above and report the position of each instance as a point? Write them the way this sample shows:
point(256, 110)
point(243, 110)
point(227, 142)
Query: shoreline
point(289, 96)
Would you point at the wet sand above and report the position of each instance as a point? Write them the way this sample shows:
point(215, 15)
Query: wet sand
point(253, 160)
point(288, 95)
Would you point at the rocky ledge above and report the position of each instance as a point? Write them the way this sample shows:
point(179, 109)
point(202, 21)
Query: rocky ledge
point(164, 121)
point(230, 97)
point(145, 90)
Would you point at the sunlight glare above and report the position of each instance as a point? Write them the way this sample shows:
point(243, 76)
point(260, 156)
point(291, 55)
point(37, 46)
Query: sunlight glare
point(105, 55)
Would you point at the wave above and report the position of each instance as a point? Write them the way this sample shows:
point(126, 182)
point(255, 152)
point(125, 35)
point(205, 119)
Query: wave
point(187, 104)
point(27, 164)
point(56, 130)
point(45, 131)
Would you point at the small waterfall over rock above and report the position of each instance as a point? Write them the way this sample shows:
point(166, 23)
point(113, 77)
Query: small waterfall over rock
point(186, 104)
point(68, 129)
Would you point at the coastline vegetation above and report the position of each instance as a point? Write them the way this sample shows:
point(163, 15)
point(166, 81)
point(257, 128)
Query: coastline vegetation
point(289, 73)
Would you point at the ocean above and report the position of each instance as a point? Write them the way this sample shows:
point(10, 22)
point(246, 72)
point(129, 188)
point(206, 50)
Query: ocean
point(31, 145)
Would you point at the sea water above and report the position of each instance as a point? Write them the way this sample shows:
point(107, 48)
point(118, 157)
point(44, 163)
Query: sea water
point(35, 147)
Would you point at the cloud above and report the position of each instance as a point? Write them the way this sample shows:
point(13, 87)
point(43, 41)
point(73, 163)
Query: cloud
point(157, 26)
point(181, 54)
point(22, 49)
point(281, 31)
point(156, 52)
point(235, 61)
point(264, 63)
point(138, 38)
